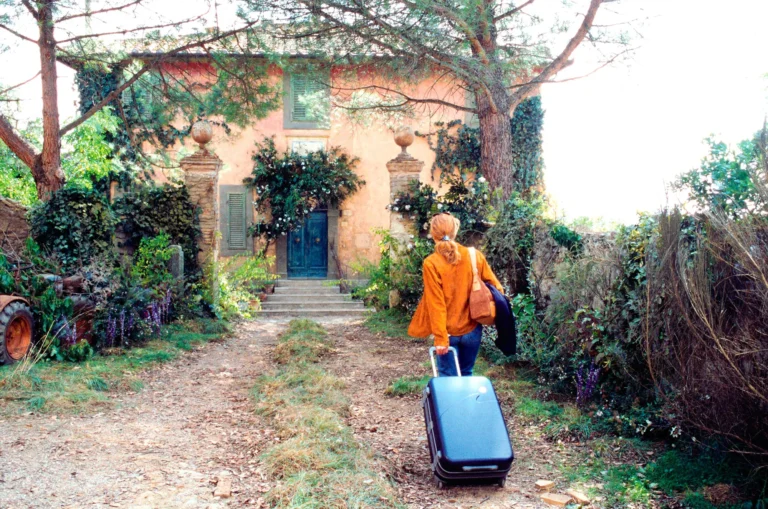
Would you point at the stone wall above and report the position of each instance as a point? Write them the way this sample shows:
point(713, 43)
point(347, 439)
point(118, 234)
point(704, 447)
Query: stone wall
point(14, 228)
point(599, 262)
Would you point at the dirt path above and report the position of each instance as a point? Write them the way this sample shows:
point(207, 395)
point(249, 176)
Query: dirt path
point(166, 446)
point(193, 425)
point(394, 427)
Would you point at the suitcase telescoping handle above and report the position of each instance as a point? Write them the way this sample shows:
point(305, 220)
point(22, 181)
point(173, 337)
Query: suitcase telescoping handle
point(432, 351)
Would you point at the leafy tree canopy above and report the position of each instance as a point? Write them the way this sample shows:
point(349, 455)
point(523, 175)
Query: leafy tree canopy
point(729, 178)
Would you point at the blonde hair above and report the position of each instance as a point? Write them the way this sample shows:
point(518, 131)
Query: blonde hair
point(443, 229)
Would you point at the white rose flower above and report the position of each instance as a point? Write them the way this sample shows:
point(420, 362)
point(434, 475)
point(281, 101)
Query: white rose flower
point(407, 207)
point(439, 206)
point(481, 179)
point(395, 209)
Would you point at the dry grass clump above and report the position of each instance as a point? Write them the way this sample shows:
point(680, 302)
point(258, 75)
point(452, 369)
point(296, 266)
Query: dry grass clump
point(343, 489)
point(303, 341)
point(318, 461)
point(708, 355)
point(300, 384)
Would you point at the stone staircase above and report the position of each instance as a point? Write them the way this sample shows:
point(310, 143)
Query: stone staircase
point(299, 298)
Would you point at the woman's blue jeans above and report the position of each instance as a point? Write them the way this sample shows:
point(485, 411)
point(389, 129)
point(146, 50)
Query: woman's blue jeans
point(467, 347)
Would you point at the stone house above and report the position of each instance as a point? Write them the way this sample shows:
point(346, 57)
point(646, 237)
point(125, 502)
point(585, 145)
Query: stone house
point(344, 235)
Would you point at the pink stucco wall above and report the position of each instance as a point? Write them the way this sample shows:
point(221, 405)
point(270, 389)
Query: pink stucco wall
point(373, 145)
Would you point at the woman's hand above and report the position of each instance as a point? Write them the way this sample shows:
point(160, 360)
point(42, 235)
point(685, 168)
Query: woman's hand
point(441, 350)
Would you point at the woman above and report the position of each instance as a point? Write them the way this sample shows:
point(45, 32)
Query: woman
point(444, 307)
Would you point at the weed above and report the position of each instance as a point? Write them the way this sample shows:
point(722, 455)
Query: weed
point(536, 410)
point(392, 323)
point(406, 385)
point(97, 384)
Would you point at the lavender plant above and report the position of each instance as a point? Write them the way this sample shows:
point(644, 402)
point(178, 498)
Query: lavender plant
point(586, 384)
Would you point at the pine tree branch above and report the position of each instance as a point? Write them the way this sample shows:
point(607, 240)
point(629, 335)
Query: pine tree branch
point(31, 9)
point(562, 60)
point(20, 84)
point(146, 68)
point(17, 34)
point(129, 30)
point(16, 143)
point(99, 11)
point(512, 12)
point(460, 23)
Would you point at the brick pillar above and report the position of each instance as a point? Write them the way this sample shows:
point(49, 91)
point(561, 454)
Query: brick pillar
point(201, 175)
point(403, 170)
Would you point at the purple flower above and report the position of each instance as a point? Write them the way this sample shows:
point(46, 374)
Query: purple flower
point(586, 385)
point(111, 330)
point(122, 326)
point(69, 338)
point(130, 324)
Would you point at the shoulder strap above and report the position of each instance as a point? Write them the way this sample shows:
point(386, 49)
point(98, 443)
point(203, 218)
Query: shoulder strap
point(475, 276)
point(473, 258)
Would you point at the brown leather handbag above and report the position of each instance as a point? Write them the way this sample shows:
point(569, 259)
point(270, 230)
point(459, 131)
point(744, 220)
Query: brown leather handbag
point(482, 307)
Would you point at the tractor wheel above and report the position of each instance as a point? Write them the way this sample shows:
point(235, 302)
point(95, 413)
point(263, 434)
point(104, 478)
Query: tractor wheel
point(15, 332)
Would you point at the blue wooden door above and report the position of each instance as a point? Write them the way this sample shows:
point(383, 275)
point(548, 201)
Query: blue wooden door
point(308, 248)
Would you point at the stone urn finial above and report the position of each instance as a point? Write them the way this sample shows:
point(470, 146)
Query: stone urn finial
point(404, 138)
point(202, 132)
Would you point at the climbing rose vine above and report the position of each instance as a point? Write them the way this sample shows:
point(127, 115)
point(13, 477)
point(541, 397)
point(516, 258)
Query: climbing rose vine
point(289, 186)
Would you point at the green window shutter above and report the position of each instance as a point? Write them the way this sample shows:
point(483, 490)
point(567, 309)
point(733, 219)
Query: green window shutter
point(237, 224)
point(299, 88)
point(303, 85)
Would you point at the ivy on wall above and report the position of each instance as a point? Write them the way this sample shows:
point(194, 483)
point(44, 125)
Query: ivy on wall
point(467, 199)
point(457, 146)
point(76, 225)
point(149, 211)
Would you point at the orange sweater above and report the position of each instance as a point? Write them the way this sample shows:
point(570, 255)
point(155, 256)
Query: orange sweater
point(444, 307)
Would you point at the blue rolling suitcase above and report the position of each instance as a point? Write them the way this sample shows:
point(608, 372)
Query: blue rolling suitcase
point(467, 435)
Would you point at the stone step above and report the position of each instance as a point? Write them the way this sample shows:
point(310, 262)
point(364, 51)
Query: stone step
point(299, 305)
point(303, 297)
point(304, 283)
point(321, 290)
point(314, 312)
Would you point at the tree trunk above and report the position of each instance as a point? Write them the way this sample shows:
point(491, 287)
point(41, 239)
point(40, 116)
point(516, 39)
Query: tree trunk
point(496, 138)
point(47, 169)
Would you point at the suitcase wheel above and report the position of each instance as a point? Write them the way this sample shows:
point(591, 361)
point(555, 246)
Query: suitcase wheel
point(502, 482)
point(439, 483)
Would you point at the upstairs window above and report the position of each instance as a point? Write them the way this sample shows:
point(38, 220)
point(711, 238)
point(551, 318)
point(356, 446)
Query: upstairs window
point(307, 101)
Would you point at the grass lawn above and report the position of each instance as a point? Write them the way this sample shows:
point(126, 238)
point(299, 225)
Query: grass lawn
point(55, 387)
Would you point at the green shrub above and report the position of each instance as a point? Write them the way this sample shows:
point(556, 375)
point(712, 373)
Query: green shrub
point(150, 264)
point(75, 225)
point(467, 199)
point(509, 243)
point(240, 279)
point(567, 238)
point(399, 269)
point(149, 211)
